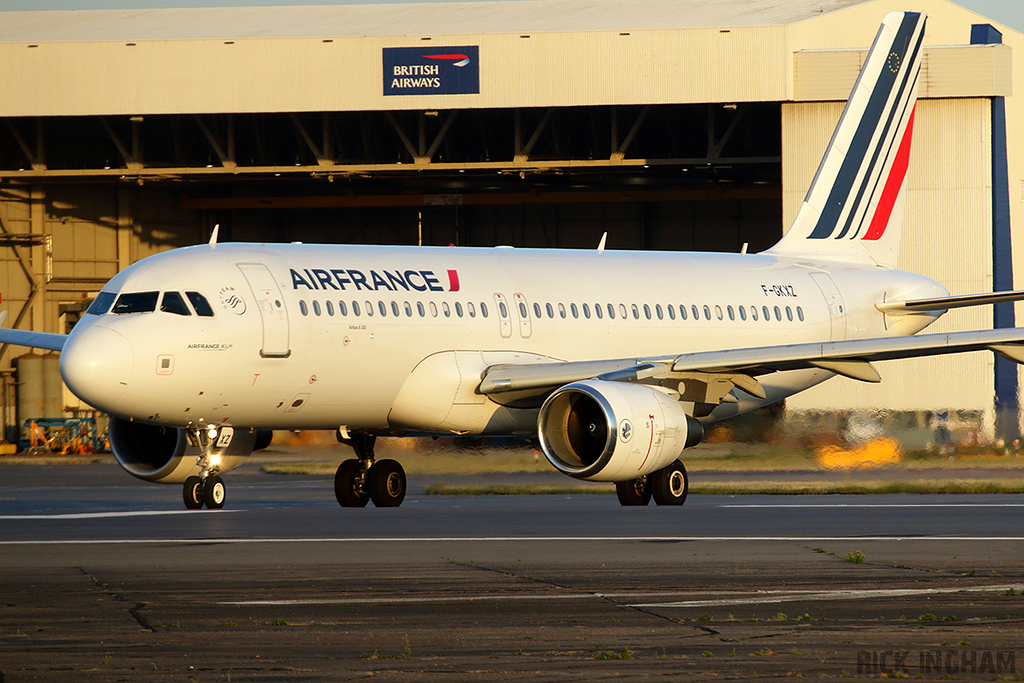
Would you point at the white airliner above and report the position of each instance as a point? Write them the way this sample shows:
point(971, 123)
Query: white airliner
point(615, 359)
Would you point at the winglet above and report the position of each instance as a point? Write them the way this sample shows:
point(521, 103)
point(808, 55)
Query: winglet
point(600, 246)
point(213, 237)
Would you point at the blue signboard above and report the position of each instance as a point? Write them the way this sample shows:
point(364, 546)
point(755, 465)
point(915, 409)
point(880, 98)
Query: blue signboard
point(432, 71)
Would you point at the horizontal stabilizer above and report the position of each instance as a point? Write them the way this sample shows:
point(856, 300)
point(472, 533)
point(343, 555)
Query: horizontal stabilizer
point(947, 302)
point(35, 340)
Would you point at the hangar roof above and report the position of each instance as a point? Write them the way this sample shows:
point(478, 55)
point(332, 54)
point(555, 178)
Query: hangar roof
point(501, 16)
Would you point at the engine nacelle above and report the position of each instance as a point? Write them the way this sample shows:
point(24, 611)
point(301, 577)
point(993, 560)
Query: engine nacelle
point(613, 431)
point(163, 454)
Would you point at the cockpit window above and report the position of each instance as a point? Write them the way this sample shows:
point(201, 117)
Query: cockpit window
point(101, 304)
point(136, 302)
point(173, 302)
point(200, 303)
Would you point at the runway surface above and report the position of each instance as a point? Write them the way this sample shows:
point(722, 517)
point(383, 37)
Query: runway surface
point(106, 578)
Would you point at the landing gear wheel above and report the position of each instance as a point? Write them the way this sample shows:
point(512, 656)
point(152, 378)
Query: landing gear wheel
point(386, 483)
point(192, 492)
point(670, 484)
point(347, 488)
point(214, 492)
point(634, 491)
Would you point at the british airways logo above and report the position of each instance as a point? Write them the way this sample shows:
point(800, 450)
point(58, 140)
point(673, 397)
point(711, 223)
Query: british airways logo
point(338, 279)
point(439, 71)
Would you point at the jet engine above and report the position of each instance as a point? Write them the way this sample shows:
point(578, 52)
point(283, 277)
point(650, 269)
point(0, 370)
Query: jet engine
point(164, 454)
point(613, 431)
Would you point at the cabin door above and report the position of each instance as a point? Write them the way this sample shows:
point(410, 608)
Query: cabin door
point(272, 311)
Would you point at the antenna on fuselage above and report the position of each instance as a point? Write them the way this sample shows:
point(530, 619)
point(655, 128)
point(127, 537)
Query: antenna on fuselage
point(213, 237)
point(600, 246)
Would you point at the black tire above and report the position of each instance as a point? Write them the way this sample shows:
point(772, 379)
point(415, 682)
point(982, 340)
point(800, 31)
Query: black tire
point(386, 483)
point(634, 491)
point(350, 492)
point(192, 492)
point(669, 485)
point(214, 492)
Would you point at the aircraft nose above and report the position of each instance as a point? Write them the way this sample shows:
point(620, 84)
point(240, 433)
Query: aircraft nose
point(97, 366)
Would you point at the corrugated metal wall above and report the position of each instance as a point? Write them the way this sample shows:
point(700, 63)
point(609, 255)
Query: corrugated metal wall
point(947, 236)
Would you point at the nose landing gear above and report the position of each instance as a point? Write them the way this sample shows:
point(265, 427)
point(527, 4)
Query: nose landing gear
point(361, 480)
point(208, 488)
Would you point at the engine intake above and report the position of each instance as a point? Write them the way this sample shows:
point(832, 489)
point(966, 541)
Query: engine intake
point(163, 454)
point(613, 431)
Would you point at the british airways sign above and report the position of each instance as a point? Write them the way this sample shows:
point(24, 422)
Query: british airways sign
point(434, 71)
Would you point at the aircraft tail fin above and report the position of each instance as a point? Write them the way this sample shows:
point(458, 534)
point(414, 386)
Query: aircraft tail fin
point(853, 210)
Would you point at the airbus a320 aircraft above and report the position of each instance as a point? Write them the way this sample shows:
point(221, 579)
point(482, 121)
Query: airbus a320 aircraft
point(615, 359)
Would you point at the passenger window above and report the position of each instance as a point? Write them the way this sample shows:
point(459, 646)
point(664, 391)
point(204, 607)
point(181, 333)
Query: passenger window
point(355, 308)
point(561, 310)
point(597, 311)
point(382, 308)
point(707, 313)
point(201, 305)
point(743, 313)
point(728, 310)
point(586, 311)
point(369, 309)
point(778, 314)
point(408, 309)
point(636, 312)
point(550, 310)
point(575, 311)
point(766, 314)
point(536, 309)
point(622, 311)
point(800, 313)
point(611, 312)
point(330, 309)
point(502, 309)
point(458, 308)
point(647, 311)
point(316, 307)
point(419, 309)
point(696, 314)
point(523, 313)
point(394, 308)
point(471, 309)
point(447, 311)
point(657, 310)
point(101, 304)
point(341, 308)
point(302, 308)
point(433, 310)
point(672, 312)
point(136, 302)
point(483, 310)
point(718, 311)
point(789, 313)
point(753, 313)
point(173, 302)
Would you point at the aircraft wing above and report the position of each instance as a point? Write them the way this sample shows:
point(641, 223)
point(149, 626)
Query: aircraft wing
point(36, 340)
point(850, 358)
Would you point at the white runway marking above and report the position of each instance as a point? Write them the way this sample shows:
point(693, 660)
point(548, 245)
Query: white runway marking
point(758, 597)
point(768, 597)
point(510, 539)
point(873, 505)
point(101, 515)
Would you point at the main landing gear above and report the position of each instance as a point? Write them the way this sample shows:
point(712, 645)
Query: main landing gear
point(358, 481)
point(207, 488)
point(668, 486)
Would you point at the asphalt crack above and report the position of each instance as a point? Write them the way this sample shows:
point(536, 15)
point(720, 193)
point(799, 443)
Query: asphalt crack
point(135, 610)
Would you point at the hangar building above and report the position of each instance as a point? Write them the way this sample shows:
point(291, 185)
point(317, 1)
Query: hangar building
point(670, 126)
